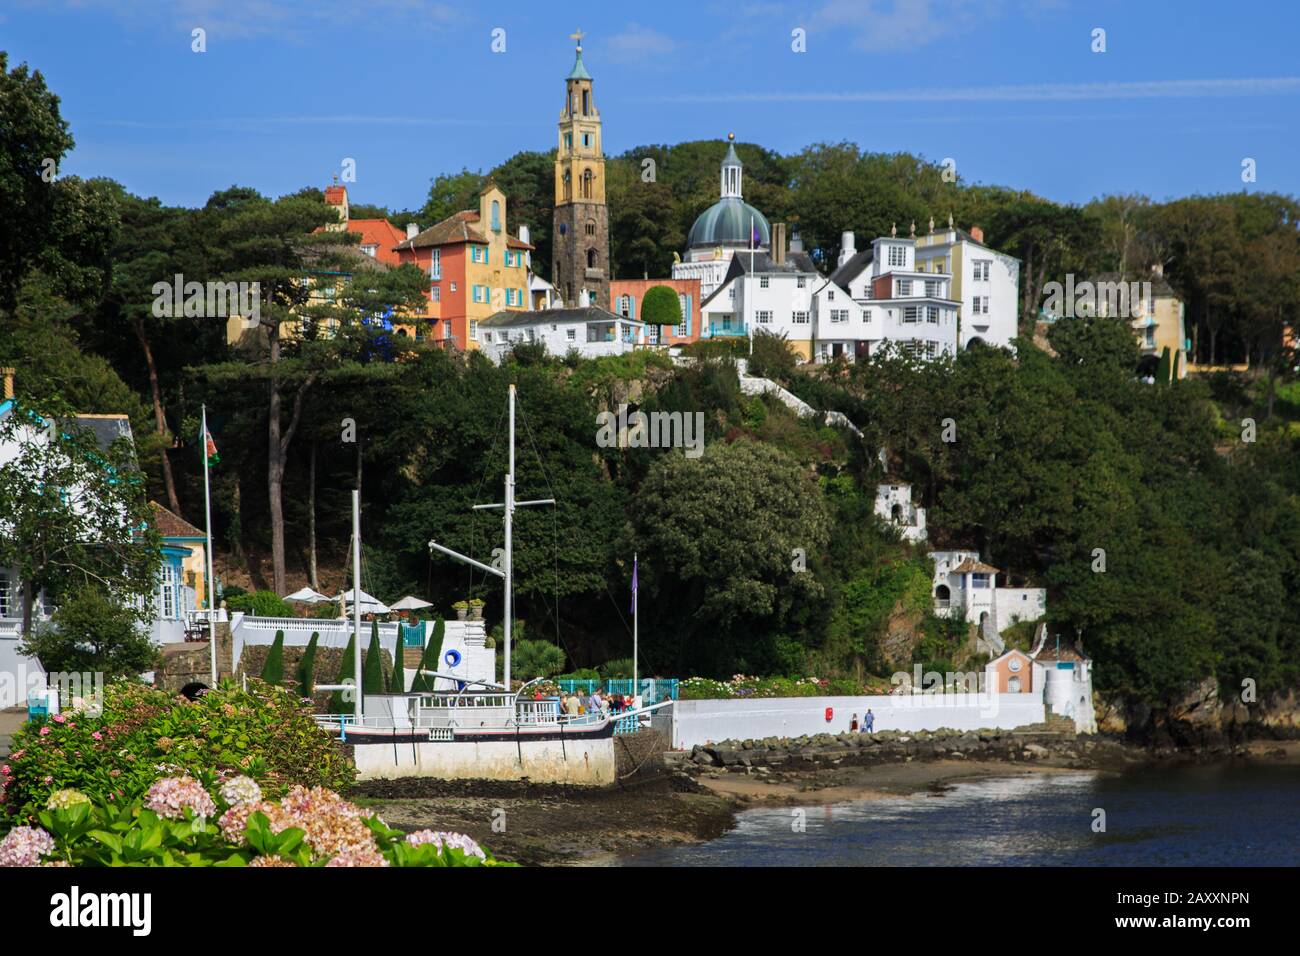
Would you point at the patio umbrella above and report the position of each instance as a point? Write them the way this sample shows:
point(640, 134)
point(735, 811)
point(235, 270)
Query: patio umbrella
point(307, 596)
point(368, 603)
point(411, 603)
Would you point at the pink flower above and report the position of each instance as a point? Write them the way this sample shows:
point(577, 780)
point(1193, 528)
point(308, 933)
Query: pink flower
point(59, 718)
point(5, 770)
point(49, 780)
point(171, 796)
point(18, 754)
point(97, 735)
point(45, 731)
point(358, 856)
point(444, 838)
point(24, 846)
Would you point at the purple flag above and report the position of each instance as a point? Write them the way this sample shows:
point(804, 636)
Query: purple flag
point(634, 570)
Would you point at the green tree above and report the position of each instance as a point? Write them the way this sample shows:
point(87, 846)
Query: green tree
point(372, 668)
point(661, 307)
point(93, 631)
point(307, 667)
point(423, 682)
point(530, 659)
point(342, 702)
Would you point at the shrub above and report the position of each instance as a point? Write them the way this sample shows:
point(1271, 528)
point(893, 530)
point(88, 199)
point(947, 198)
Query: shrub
point(339, 704)
point(661, 307)
point(177, 822)
point(582, 673)
point(620, 667)
point(372, 668)
point(266, 733)
point(429, 661)
point(260, 604)
point(772, 356)
point(273, 669)
point(307, 667)
point(531, 659)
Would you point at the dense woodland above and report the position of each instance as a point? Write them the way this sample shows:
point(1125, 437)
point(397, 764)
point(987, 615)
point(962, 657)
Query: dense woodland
point(1056, 455)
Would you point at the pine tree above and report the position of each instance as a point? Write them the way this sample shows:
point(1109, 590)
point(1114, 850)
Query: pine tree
point(273, 669)
point(347, 673)
point(1163, 370)
point(307, 667)
point(372, 669)
point(429, 660)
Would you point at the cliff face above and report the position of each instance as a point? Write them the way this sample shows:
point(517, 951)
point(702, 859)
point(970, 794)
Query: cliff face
point(1200, 717)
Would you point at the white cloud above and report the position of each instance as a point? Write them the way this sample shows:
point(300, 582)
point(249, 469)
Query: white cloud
point(640, 42)
point(1151, 89)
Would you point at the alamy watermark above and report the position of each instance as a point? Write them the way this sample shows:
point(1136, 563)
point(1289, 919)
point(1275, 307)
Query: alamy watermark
point(81, 691)
point(198, 300)
point(1126, 300)
point(651, 430)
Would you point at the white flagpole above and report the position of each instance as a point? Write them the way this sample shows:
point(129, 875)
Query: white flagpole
point(211, 588)
point(356, 603)
point(636, 606)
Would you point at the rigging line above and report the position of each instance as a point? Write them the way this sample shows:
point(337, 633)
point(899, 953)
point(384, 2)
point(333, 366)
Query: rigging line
point(473, 520)
point(555, 520)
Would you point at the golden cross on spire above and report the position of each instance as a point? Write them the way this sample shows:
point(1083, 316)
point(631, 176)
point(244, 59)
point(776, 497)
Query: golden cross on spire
point(577, 35)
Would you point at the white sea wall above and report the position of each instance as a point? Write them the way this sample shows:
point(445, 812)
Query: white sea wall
point(577, 763)
point(709, 721)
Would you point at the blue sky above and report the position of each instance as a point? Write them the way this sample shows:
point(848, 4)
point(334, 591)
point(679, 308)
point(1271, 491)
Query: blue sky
point(1009, 89)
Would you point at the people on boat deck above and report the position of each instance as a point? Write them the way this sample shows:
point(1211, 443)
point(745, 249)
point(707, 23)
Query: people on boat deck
point(572, 705)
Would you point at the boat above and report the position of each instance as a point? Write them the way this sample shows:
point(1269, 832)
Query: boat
point(432, 727)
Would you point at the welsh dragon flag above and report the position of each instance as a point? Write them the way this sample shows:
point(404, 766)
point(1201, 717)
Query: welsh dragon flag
point(210, 448)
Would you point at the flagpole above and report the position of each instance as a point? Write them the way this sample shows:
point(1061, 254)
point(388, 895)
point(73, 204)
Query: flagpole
point(636, 602)
point(211, 582)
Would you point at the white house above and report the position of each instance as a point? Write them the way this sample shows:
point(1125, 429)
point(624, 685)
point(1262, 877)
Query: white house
point(984, 281)
point(589, 330)
point(892, 300)
point(1067, 675)
point(966, 588)
point(894, 505)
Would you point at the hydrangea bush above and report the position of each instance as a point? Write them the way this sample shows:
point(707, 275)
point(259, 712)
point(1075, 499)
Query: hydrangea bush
point(179, 823)
point(740, 686)
point(265, 733)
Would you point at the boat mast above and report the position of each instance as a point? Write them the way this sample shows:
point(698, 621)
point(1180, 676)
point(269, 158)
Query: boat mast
point(356, 604)
point(506, 571)
point(506, 631)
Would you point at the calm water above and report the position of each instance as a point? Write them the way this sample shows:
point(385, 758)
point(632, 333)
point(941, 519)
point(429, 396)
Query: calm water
point(1204, 816)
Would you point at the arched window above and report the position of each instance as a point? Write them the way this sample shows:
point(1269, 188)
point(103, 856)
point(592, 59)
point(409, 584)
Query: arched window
point(496, 216)
point(591, 227)
point(588, 179)
point(942, 596)
point(591, 258)
point(568, 186)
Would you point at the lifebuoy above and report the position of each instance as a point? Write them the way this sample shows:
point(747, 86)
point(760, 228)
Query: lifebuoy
point(830, 713)
point(452, 657)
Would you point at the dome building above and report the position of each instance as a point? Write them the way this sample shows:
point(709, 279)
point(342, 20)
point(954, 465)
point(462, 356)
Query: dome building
point(729, 226)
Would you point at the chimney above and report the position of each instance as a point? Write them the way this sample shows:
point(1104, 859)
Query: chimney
point(524, 235)
point(8, 375)
point(778, 243)
point(796, 242)
point(412, 230)
point(847, 248)
point(977, 234)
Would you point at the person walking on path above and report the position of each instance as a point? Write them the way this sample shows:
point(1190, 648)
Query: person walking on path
point(868, 722)
point(853, 725)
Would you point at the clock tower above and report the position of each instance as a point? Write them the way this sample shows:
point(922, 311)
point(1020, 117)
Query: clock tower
point(580, 228)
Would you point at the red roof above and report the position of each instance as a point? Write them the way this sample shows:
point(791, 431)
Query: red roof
point(334, 195)
point(379, 233)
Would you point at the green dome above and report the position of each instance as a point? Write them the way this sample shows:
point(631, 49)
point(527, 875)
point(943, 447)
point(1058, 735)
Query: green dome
point(728, 223)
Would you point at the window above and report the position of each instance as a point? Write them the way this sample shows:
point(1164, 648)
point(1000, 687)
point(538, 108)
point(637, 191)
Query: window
point(369, 250)
point(932, 287)
point(731, 293)
point(911, 314)
point(932, 314)
point(586, 102)
point(591, 227)
point(904, 286)
point(167, 594)
point(480, 293)
point(764, 282)
point(799, 318)
point(571, 334)
point(568, 141)
point(591, 258)
point(568, 192)
point(897, 256)
point(801, 282)
point(588, 182)
point(1150, 336)
point(980, 305)
point(981, 270)
point(453, 287)
point(763, 318)
point(684, 327)
point(978, 580)
point(435, 293)
point(625, 306)
point(652, 334)
point(435, 264)
point(839, 315)
point(586, 139)
point(866, 315)
point(6, 601)
point(496, 215)
point(473, 329)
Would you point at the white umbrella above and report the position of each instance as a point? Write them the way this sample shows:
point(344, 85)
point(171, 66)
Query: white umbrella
point(307, 596)
point(369, 604)
point(411, 603)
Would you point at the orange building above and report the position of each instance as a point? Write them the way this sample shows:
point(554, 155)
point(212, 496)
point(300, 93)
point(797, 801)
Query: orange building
point(379, 237)
point(627, 295)
point(475, 268)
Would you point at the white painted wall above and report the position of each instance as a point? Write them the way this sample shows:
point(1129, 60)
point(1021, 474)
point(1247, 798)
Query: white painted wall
point(587, 763)
point(709, 721)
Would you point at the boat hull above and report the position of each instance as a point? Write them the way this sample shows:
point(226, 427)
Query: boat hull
point(574, 759)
